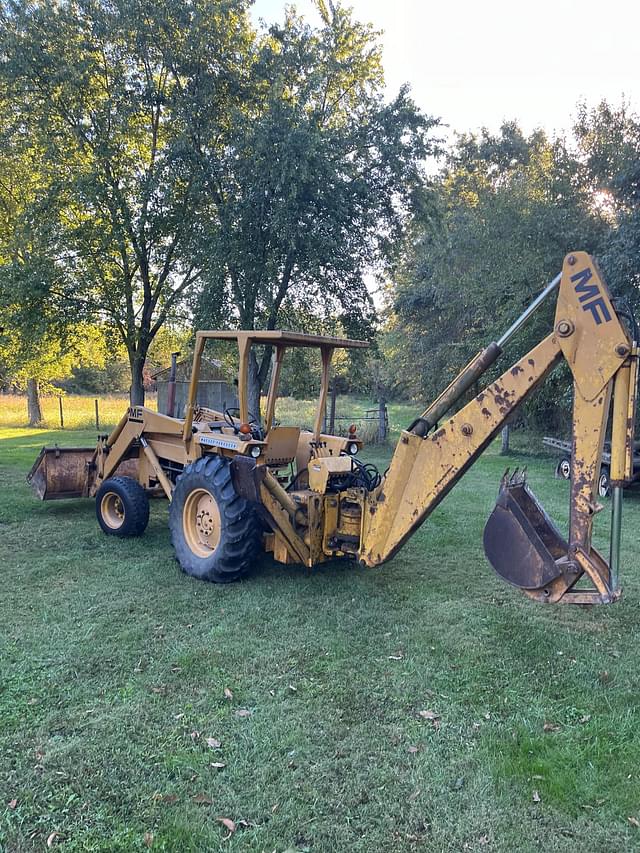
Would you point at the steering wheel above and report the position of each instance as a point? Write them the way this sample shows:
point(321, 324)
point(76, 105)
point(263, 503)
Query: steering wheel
point(254, 423)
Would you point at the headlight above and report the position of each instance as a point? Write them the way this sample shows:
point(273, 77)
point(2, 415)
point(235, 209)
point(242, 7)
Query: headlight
point(255, 451)
point(353, 449)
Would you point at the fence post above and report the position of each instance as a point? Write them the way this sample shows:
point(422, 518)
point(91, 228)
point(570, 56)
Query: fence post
point(382, 421)
point(504, 447)
point(332, 410)
point(97, 416)
point(61, 413)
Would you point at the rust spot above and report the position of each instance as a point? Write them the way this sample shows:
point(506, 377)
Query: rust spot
point(438, 434)
point(480, 397)
point(516, 369)
point(531, 362)
point(486, 413)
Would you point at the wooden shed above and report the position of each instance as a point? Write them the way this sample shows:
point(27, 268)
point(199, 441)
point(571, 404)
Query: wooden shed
point(216, 388)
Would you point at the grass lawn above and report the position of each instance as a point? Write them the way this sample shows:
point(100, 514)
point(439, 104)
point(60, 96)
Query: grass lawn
point(116, 733)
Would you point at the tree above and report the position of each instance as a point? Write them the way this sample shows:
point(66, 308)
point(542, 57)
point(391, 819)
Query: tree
point(609, 143)
point(316, 184)
point(100, 87)
point(38, 317)
point(510, 208)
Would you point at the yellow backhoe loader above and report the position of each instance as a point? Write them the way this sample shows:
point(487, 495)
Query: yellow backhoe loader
point(238, 484)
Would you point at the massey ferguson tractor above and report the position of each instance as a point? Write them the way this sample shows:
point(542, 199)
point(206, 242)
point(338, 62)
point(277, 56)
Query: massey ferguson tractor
point(238, 483)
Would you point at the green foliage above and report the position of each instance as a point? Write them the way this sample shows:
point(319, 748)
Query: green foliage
point(609, 141)
point(101, 88)
point(317, 184)
point(510, 208)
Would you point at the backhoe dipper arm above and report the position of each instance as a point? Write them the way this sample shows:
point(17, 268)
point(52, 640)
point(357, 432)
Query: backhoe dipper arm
point(431, 457)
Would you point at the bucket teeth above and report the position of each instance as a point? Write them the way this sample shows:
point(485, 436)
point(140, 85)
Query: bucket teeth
point(517, 478)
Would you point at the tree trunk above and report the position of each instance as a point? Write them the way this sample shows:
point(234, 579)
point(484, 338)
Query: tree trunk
point(504, 448)
point(33, 403)
point(254, 387)
point(136, 392)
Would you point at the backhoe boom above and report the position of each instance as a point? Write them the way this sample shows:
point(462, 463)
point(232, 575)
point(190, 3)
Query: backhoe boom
point(521, 542)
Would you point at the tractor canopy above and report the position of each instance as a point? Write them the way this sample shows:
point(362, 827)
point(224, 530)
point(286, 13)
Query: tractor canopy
point(280, 341)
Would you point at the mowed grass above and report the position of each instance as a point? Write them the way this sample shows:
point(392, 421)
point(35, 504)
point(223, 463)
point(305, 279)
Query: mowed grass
point(114, 665)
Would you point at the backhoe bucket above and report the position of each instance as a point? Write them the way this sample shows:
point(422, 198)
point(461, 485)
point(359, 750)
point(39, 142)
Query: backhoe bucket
point(61, 473)
point(520, 540)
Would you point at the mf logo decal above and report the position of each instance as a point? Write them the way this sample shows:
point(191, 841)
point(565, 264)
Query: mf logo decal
point(135, 413)
point(589, 296)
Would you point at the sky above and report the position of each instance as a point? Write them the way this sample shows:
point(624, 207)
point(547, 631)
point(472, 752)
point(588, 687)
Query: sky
point(477, 64)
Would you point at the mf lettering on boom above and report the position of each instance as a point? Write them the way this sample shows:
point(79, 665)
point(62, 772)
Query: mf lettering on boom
point(589, 296)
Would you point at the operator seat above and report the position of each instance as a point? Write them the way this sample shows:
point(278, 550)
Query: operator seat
point(282, 445)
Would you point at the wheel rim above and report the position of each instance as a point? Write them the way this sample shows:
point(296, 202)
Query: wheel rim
point(201, 522)
point(112, 510)
point(603, 485)
point(565, 469)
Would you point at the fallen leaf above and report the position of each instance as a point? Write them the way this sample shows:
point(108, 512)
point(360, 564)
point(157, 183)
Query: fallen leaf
point(32, 702)
point(178, 716)
point(218, 765)
point(536, 797)
point(243, 712)
point(459, 783)
point(585, 718)
point(483, 840)
point(429, 715)
point(227, 693)
point(12, 804)
point(226, 821)
point(195, 735)
point(537, 776)
point(51, 840)
point(202, 800)
point(412, 750)
point(176, 668)
point(634, 821)
point(148, 839)
point(414, 795)
point(293, 689)
point(604, 676)
point(396, 657)
point(274, 808)
point(169, 799)
point(214, 743)
point(551, 727)
point(160, 689)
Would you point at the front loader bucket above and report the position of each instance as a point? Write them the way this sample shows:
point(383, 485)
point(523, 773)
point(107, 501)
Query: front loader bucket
point(520, 540)
point(61, 472)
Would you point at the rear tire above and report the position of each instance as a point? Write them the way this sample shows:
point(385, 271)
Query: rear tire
point(214, 531)
point(122, 507)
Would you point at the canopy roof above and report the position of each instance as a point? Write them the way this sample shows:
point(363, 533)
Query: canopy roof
point(280, 338)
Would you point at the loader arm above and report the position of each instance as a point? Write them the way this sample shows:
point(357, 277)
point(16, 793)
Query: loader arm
point(521, 542)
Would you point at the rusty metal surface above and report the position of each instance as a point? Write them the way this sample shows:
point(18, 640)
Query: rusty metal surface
point(595, 334)
point(424, 470)
point(60, 473)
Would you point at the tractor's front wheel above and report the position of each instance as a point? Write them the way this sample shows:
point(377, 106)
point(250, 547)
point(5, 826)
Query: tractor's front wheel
point(215, 532)
point(122, 507)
